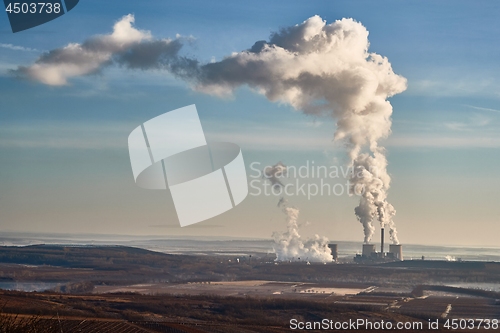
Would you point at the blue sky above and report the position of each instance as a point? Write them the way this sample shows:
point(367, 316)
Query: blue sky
point(64, 161)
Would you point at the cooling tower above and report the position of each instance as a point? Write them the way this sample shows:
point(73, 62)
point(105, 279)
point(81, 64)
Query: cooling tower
point(396, 250)
point(368, 249)
point(333, 248)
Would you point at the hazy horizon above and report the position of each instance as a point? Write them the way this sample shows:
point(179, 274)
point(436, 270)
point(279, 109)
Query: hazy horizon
point(80, 238)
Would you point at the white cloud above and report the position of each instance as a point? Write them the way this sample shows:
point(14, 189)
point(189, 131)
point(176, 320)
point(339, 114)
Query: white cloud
point(482, 109)
point(447, 85)
point(17, 48)
point(474, 122)
point(65, 136)
point(126, 45)
point(444, 141)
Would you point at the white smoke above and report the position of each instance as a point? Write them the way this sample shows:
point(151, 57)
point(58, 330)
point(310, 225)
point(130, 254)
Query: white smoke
point(126, 46)
point(326, 69)
point(318, 68)
point(290, 246)
point(275, 173)
point(370, 181)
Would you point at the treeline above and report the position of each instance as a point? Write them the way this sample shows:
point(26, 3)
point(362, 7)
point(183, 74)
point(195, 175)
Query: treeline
point(119, 265)
point(86, 256)
point(418, 291)
point(75, 288)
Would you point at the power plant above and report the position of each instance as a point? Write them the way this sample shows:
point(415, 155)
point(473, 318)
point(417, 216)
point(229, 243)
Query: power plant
point(370, 254)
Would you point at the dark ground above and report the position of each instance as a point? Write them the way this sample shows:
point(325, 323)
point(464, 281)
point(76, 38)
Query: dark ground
point(409, 291)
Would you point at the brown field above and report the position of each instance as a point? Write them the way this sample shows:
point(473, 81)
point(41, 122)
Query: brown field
point(120, 289)
point(236, 288)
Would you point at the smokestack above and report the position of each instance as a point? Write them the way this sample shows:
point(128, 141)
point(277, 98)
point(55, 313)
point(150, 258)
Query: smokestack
point(382, 242)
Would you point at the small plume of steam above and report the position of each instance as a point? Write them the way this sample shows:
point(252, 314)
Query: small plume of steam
point(274, 174)
point(291, 247)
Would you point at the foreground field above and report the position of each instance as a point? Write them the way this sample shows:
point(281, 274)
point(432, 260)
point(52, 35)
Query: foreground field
point(185, 314)
point(134, 313)
point(121, 289)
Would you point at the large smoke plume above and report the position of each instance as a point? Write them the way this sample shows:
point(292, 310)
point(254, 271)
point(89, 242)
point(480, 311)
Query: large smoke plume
point(318, 68)
point(290, 246)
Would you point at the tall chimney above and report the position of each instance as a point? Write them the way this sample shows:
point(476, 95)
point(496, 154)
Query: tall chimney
point(382, 241)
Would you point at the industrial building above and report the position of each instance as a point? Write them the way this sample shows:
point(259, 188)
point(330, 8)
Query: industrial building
point(369, 253)
point(334, 249)
point(396, 250)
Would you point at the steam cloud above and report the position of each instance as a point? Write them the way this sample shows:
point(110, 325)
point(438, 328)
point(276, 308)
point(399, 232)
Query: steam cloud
point(318, 68)
point(325, 69)
point(274, 173)
point(127, 46)
point(371, 180)
point(290, 246)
